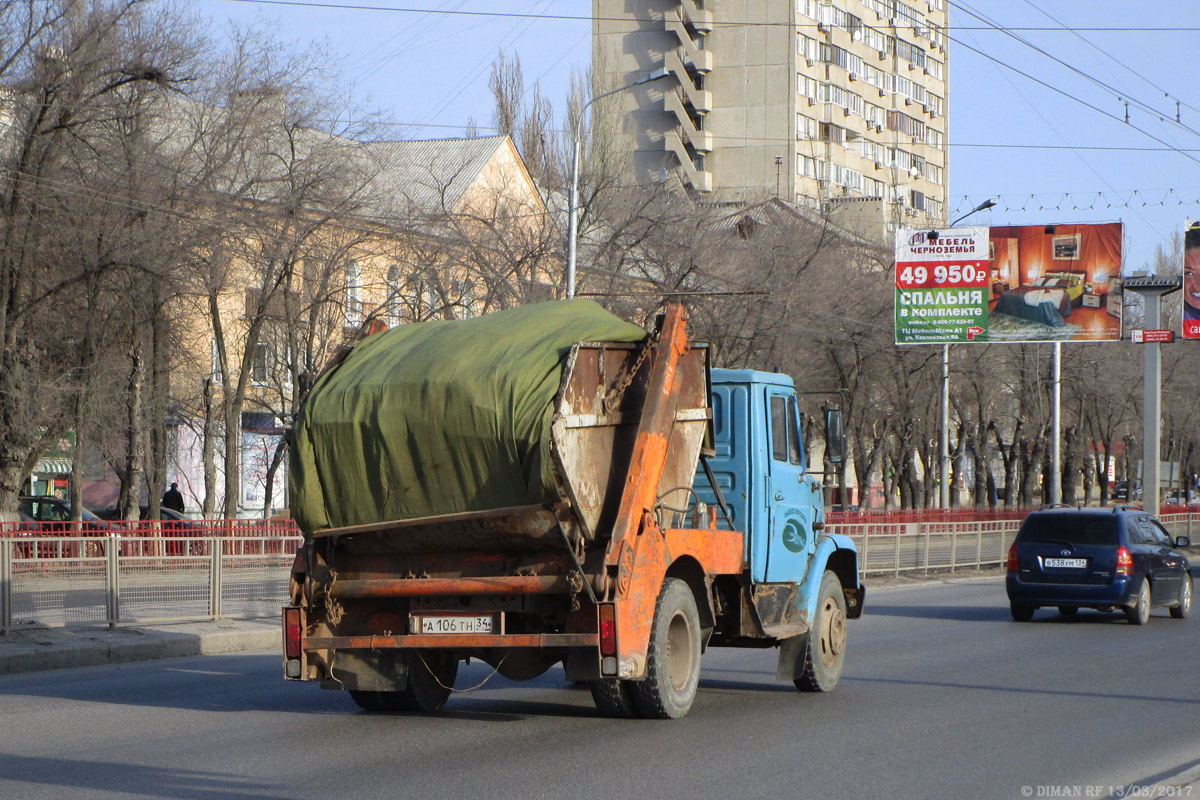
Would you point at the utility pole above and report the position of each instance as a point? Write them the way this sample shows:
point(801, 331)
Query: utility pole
point(1152, 288)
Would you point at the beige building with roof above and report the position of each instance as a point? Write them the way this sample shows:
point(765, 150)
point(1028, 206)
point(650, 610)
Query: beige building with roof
point(839, 106)
point(442, 229)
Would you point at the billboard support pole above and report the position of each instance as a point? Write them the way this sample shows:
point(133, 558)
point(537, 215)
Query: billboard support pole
point(1056, 429)
point(944, 493)
point(1152, 418)
point(1152, 290)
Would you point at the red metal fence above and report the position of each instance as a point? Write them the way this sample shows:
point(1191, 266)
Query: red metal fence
point(149, 537)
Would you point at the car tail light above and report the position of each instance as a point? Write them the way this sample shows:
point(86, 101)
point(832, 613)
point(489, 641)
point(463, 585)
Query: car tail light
point(608, 630)
point(291, 632)
point(1124, 561)
point(1012, 558)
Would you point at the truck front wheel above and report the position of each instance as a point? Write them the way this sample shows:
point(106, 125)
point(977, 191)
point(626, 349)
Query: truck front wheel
point(673, 658)
point(826, 649)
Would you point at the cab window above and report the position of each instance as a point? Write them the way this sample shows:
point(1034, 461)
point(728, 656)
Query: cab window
point(795, 448)
point(779, 438)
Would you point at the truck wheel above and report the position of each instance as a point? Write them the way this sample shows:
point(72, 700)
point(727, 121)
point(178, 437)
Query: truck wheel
point(430, 680)
point(374, 701)
point(826, 649)
point(673, 658)
point(614, 698)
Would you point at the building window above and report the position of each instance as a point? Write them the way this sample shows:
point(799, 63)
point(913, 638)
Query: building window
point(260, 360)
point(353, 294)
point(395, 297)
point(806, 128)
point(216, 373)
point(806, 166)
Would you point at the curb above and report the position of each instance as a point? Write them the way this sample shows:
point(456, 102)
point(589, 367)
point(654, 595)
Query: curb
point(125, 645)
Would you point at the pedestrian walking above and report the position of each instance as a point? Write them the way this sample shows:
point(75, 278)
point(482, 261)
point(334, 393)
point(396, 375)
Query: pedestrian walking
point(173, 498)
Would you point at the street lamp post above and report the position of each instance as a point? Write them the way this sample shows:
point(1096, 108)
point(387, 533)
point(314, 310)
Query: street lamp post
point(944, 484)
point(573, 203)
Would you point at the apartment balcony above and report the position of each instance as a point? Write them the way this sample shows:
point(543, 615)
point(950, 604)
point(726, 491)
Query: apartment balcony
point(700, 99)
point(700, 180)
point(699, 60)
point(700, 140)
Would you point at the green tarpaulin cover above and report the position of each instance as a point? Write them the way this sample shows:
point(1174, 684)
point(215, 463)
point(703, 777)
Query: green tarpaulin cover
point(440, 417)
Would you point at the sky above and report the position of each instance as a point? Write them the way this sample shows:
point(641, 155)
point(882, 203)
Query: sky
point(1062, 111)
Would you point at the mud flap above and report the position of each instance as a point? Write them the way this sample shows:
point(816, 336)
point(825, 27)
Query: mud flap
point(791, 658)
point(370, 671)
point(855, 598)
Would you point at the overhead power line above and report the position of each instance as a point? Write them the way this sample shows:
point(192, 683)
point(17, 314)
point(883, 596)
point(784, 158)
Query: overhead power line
point(639, 20)
point(1108, 55)
point(1121, 95)
point(1070, 96)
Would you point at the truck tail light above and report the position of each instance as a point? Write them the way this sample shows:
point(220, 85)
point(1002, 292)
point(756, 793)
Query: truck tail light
point(291, 632)
point(608, 629)
point(1012, 558)
point(1124, 561)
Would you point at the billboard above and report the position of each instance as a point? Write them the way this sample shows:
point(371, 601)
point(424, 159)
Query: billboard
point(941, 285)
point(1191, 280)
point(1032, 283)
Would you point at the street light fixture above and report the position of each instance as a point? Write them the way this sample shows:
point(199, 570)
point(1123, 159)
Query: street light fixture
point(984, 206)
point(573, 203)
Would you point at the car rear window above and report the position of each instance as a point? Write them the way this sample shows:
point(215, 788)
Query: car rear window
point(1075, 529)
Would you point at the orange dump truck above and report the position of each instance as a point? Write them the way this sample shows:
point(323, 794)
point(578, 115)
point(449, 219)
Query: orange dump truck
point(453, 511)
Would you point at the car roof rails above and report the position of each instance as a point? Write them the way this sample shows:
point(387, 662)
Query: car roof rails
point(1051, 506)
point(1119, 508)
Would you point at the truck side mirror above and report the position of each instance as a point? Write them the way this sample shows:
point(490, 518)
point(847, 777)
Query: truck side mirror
point(835, 436)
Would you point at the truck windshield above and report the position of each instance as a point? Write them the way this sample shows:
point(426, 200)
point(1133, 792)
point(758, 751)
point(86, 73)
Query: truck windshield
point(1074, 529)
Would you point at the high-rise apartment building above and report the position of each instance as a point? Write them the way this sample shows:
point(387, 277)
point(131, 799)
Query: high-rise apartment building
point(836, 105)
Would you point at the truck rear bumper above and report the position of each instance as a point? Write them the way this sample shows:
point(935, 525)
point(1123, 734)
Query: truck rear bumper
point(444, 641)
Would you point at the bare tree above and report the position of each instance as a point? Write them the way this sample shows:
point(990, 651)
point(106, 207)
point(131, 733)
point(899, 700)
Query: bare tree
point(72, 67)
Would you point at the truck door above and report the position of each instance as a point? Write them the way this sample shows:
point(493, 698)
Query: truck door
point(791, 495)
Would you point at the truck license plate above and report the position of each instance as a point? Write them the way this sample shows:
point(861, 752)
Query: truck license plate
point(1066, 563)
point(454, 623)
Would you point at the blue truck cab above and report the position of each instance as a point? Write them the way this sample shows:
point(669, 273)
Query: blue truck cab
point(802, 581)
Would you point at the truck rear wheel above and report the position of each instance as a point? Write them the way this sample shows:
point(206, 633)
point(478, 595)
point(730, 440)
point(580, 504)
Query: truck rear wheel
point(825, 652)
point(673, 658)
point(430, 680)
point(374, 701)
point(614, 698)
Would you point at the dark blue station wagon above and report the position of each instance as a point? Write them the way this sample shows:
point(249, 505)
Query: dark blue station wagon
point(1106, 559)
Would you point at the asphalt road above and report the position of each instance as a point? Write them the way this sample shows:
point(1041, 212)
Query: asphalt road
point(943, 697)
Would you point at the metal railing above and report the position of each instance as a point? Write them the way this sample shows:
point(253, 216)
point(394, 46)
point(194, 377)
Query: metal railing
point(68, 579)
point(902, 547)
point(918, 542)
point(241, 570)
